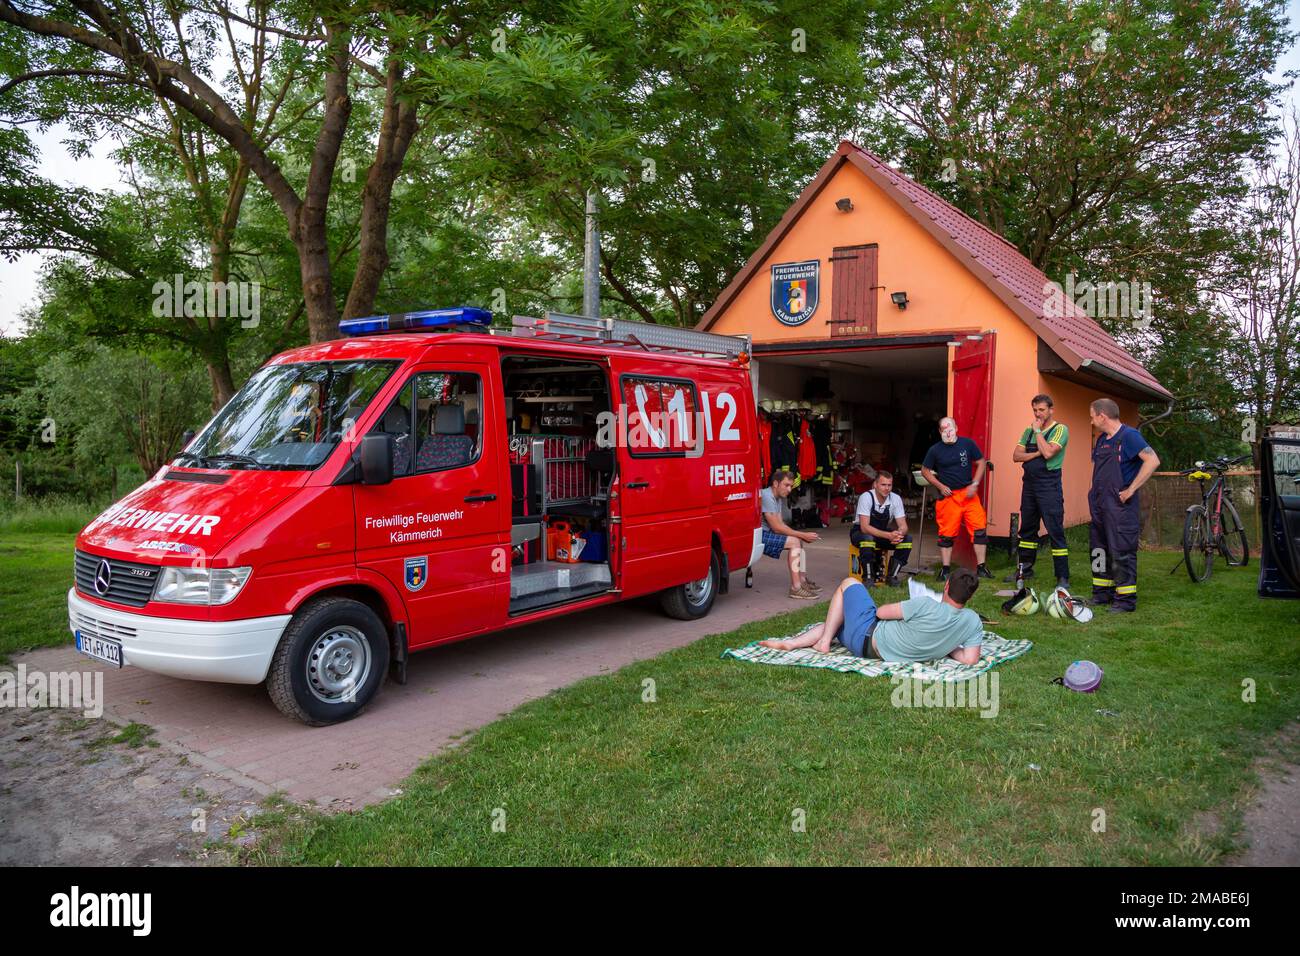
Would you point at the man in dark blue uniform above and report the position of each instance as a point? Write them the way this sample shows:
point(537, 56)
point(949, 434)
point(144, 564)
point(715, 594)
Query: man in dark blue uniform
point(1122, 461)
point(1041, 453)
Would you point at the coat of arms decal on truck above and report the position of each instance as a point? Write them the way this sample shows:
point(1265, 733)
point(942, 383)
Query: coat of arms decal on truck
point(416, 572)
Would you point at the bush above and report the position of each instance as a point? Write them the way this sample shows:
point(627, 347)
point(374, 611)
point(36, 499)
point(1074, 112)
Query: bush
point(55, 473)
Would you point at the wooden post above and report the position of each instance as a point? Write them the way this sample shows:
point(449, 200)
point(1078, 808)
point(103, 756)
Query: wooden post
point(18, 479)
point(1155, 513)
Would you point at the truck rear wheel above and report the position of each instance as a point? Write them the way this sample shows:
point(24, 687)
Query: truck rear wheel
point(329, 663)
point(692, 600)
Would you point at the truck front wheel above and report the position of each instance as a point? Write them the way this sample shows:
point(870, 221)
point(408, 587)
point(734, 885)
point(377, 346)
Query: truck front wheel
point(330, 661)
point(692, 600)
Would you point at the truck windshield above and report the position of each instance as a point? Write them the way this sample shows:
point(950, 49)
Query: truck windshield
point(288, 417)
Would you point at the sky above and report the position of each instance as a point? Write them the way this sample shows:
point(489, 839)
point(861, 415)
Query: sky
point(18, 279)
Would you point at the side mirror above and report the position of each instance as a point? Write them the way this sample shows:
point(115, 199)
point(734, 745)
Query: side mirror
point(377, 459)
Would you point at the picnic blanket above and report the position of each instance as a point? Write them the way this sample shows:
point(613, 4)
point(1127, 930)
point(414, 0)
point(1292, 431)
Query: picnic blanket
point(995, 650)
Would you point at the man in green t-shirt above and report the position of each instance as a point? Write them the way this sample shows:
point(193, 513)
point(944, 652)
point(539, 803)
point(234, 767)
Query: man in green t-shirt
point(918, 629)
point(1041, 452)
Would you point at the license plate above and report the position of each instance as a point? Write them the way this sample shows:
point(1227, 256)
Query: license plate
point(110, 652)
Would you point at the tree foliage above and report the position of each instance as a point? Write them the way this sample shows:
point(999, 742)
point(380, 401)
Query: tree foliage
point(347, 158)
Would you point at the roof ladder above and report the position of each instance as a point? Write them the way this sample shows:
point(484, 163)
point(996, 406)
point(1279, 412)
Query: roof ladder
point(583, 329)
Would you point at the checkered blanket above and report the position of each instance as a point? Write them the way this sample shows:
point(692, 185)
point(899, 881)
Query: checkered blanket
point(995, 650)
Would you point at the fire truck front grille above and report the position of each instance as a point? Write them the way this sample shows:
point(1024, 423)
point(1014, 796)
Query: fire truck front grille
point(127, 583)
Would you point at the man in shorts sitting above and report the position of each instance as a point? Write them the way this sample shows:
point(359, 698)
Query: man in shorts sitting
point(779, 538)
point(918, 629)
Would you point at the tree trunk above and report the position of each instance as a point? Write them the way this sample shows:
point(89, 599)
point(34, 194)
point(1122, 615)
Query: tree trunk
point(395, 135)
point(318, 290)
point(308, 227)
point(223, 383)
point(218, 358)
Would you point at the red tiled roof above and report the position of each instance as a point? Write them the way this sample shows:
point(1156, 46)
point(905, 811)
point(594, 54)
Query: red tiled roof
point(1073, 335)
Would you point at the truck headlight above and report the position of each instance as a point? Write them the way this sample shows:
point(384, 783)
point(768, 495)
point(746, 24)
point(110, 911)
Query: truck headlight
point(200, 585)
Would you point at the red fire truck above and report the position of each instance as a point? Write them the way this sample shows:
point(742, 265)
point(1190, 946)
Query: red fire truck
point(421, 480)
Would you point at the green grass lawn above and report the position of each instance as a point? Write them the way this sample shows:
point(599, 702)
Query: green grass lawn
point(36, 542)
point(715, 770)
point(35, 574)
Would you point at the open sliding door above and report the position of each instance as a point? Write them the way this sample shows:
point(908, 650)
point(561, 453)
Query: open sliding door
point(972, 408)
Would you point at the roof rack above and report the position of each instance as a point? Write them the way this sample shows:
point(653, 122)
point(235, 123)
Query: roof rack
point(583, 329)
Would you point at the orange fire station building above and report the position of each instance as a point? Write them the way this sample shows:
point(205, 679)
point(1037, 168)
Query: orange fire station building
point(893, 307)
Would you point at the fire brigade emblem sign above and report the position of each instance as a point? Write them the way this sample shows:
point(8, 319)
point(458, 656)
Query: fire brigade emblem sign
point(795, 291)
point(417, 572)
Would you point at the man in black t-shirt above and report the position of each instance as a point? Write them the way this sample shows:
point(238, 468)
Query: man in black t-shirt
point(954, 466)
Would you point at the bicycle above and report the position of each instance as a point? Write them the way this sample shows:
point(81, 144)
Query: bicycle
point(1213, 525)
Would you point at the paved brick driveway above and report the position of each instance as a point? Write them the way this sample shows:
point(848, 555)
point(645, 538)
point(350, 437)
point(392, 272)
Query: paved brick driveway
point(236, 732)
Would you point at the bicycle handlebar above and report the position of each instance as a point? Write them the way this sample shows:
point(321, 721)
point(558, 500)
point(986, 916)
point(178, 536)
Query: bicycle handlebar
point(1217, 464)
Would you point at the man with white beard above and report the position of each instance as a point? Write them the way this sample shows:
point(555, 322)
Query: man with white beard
point(954, 466)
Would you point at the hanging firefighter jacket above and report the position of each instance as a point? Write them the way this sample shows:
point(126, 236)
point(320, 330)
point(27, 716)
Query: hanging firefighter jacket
point(821, 436)
point(785, 444)
point(765, 447)
point(807, 453)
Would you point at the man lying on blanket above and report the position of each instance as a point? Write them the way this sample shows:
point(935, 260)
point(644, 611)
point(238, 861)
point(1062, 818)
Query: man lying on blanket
point(918, 629)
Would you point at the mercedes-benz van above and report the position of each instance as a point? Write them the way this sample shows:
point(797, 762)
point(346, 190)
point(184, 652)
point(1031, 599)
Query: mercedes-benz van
point(421, 480)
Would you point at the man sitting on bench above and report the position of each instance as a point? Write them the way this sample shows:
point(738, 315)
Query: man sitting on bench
point(918, 629)
point(881, 528)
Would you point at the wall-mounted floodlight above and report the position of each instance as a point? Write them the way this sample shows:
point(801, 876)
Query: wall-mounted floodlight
point(899, 299)
point(844, 205)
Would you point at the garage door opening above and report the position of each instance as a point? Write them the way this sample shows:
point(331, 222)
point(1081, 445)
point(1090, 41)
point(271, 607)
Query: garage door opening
point(863, 410)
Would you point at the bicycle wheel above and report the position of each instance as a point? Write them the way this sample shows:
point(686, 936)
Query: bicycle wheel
point(1232, 541)
point(1198, 553)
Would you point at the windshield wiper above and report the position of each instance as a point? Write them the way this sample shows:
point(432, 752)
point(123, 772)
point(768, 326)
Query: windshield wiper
point(197, 459)
point(234, 459)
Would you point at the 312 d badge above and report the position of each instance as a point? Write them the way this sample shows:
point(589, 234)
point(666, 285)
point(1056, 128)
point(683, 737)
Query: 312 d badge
point(795, 291)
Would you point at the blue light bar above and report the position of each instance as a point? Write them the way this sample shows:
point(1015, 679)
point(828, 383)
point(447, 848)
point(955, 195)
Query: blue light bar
point(425, 321)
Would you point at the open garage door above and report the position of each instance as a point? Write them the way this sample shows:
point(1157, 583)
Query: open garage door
point(972, 409)
point(972, 392)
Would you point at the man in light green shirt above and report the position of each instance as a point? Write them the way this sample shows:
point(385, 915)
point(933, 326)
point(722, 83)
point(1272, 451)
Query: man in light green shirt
point(927, 630)
point(918, 629)
point(1041, 452)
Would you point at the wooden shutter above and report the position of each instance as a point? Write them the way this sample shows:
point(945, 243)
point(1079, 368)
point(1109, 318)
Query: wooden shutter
point(853, 292)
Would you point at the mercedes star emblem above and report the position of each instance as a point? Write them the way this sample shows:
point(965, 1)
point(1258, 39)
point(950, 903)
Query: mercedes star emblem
point(103, 577)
